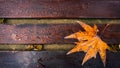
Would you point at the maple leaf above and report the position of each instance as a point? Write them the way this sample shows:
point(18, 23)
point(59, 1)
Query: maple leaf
point(89, 42)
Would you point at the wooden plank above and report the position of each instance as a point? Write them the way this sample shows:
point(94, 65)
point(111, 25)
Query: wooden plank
point(52, 33)
point(54, 59)
point(59, 9)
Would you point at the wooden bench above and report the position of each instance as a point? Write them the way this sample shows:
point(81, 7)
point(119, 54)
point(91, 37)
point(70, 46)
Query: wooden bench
point(55, 33)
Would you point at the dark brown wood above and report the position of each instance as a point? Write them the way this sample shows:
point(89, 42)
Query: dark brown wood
point(59, 9)
point(54, 59)
point(52, 33)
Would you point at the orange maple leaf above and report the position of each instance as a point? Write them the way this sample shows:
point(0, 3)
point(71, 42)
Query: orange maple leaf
point(89, 42)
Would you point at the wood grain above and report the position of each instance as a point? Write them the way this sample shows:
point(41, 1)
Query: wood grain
point(59, 9)
point(52, 33)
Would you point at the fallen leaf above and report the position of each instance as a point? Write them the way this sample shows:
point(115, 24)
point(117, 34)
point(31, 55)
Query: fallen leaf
point(89, 42)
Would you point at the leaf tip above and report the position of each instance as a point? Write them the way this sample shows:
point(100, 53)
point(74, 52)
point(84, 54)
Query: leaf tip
point(70, 36)
point(68, 53)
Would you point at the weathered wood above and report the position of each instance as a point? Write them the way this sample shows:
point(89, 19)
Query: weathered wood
point(59, 9)
point(57, 59)
point(51, 33)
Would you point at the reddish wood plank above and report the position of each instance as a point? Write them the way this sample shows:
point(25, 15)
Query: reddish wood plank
point(59, 9)
point(51, 33)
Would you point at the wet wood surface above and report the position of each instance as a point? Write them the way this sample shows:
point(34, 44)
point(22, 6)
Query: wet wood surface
point(56, 59)
point(59, 9)
point(52, 33)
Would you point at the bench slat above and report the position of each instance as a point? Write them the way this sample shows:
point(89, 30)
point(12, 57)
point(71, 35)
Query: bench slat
point(51, 33)
point(48, 59)
point(59, 9)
